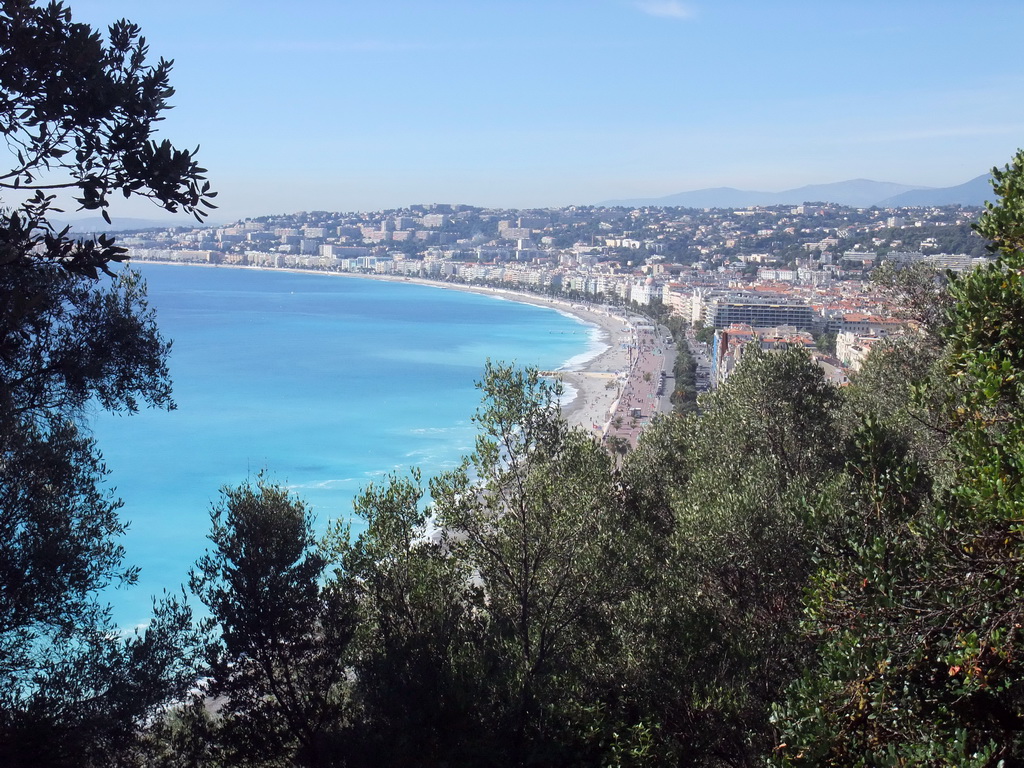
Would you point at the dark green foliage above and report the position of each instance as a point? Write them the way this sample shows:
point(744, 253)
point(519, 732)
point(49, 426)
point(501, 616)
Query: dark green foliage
point(63, 345)
point(538, 523)
point(1003, 222)
point(684, 370)
point(918, 618)
point(779, 411)
point(917, 629)
point(416, 654)
point(64, 341)
point(50, 575)
point(826, 342)
point(737, 492)
point(276, 664)
point(705, 334)
point(78, 114)
point(92, 695)
point(658, 471)
point(72, 691)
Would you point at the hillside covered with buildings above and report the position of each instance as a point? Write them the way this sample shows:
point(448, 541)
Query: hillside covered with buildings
point(780, 274)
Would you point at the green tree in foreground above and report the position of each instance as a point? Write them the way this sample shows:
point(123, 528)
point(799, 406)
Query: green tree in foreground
point(484, 642)
point(77, 113)
point(277, 660)
point(415, 656)
point(533, 513)
point(918, 621)
point(736, 499)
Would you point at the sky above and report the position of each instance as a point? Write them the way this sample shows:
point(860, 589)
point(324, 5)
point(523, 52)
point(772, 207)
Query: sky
point(362, 105)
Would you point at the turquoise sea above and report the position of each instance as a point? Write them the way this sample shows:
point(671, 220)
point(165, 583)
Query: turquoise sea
point(328, 383)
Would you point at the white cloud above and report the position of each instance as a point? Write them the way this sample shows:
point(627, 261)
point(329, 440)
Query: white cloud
point(666, 9)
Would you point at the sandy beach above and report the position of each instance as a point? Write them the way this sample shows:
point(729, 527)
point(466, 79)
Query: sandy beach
point(597, 382)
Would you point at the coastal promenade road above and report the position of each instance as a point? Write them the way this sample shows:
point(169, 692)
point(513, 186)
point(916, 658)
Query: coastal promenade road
point(666, 405)
point(641, 394)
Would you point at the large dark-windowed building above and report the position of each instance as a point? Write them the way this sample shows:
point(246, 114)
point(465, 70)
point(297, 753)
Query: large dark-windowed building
point(759, 312)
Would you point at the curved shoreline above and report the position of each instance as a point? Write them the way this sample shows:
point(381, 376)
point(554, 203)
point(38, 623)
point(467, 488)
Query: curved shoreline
point(596, 382)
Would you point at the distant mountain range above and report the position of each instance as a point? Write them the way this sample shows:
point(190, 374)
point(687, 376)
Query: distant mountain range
point(973, 192)
point(857, 193)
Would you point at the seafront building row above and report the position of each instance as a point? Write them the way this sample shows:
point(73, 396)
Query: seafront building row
point(746, 273)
